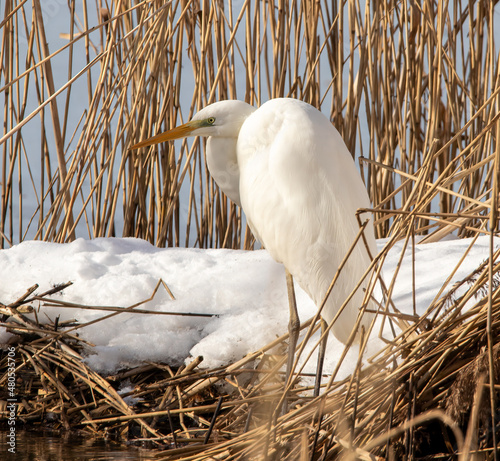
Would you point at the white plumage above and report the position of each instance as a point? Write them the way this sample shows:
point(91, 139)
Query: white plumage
point(291, 172)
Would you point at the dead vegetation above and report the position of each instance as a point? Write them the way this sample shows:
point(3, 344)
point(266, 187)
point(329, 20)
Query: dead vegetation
point(413, 87)
point(426, 393)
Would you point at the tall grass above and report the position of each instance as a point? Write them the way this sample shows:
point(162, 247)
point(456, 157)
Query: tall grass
point(413, 88)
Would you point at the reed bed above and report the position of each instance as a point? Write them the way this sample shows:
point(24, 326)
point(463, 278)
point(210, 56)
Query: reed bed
point(425, 394)
point(413, 87)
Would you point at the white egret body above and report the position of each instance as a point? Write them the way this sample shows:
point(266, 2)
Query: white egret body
point(289, 169)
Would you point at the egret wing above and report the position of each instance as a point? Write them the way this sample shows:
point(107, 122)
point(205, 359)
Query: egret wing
point(300, 190)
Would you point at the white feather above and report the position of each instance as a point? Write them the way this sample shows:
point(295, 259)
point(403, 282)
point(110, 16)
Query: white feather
point(289, 169)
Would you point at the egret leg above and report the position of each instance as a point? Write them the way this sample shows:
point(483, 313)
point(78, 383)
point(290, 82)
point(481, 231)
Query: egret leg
point(293, 325)
point(321, 359)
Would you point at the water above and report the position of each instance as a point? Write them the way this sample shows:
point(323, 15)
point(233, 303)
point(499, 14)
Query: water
point(44, 446)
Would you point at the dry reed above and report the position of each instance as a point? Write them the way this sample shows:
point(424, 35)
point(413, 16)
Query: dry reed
point(413, 87)
point(424, 393)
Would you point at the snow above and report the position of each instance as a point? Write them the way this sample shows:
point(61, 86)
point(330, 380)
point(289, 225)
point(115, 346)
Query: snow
point(244, 290)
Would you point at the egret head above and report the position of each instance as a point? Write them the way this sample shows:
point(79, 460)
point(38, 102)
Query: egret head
point(222, 119)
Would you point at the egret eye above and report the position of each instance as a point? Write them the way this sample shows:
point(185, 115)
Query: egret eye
point(211, 120)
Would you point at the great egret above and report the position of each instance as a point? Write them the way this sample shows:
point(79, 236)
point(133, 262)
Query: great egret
point(289, 169)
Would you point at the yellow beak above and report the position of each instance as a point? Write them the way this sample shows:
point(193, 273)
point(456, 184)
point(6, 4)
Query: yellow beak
point(181, 131)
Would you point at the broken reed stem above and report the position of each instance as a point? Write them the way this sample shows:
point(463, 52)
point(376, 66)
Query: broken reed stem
point(65, 304)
